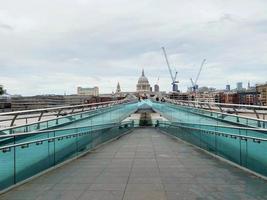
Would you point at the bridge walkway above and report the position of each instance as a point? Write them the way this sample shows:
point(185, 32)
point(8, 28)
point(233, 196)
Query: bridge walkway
point(143, 165)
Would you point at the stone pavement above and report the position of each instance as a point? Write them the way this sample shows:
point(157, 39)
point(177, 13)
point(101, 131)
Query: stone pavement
point(143, 165)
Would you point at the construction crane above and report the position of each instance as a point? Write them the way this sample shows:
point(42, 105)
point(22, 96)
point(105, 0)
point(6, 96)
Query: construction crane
point(194, 83)
point(173, 77)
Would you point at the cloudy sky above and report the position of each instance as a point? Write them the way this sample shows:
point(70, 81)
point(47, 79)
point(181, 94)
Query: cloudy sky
point(53, 46)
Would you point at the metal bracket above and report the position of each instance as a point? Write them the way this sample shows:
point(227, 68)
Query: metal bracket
point(209, 106)
point(59, 112)
point(257, 114)
point(14, 119)
point(72, 111)
point(235, 111)
point(220, 108)
point(41, 115)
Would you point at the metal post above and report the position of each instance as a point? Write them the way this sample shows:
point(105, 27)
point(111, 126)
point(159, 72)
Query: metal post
point(237, 118)
point(77, 140)
point(54, 148)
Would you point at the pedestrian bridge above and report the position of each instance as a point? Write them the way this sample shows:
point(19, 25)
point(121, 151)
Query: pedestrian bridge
point(102, 153)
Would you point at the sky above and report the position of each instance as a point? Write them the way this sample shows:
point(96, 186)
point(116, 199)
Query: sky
point(54, 46)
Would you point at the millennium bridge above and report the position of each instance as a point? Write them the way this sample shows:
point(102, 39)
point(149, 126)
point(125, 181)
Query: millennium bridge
point(131, 149)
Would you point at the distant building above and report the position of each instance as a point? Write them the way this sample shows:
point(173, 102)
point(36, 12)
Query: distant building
point(206, 89)
point(210, 96)
point(262, 90)
point(118, 90)
point(70, 100)
point(156, 88)
point(230, 97)
point(36, 102)
point(143, 86)
point(228, 88)
point(88, 91)
point(248, 97)
point(5, 103)
point(47, 101)
point(248, 85)
point(239, 86)
point(180, 96)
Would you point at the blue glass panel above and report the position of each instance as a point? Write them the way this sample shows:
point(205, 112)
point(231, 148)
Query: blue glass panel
point(31, 159)
point(7, 175)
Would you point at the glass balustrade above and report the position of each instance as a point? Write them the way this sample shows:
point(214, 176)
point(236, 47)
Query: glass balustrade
point(29, 154)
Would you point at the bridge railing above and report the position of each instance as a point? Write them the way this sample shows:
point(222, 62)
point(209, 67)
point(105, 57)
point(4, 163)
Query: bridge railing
point(246, 147)
point(25, 155)
point(30, 120)
point(254, 110)
point(209, 110)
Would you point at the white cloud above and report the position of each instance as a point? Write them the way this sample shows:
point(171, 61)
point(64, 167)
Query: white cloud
point(54, 46)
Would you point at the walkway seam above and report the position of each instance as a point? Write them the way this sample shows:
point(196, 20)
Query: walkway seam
point(128, 132)
point(165, 192)
point(129, 174)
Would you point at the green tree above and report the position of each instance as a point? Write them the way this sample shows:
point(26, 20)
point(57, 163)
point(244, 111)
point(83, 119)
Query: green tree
point(1, 90)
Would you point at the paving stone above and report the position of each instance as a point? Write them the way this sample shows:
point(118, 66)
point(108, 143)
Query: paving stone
point(102, 195)
point(145, 195)
point(60, 195)
point(106, 186)
point(141, 187)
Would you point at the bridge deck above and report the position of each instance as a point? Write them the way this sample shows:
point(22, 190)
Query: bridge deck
point(144, 165)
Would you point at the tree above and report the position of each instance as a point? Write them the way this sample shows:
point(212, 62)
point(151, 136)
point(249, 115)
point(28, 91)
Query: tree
point(1, 90)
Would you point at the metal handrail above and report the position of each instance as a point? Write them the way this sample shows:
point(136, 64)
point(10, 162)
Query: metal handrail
point(56, 137)
point(51, 130)
point(236, 108)
point(219, 133)
point(222, 104)
point(56, 108)
point(229, 114)
point(42, 121)
point(223, 126)
point(224, 113)
point(58, 129)
point(59, 109)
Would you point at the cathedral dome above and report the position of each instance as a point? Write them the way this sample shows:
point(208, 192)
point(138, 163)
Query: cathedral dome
point(143, 79)
point(143, 83)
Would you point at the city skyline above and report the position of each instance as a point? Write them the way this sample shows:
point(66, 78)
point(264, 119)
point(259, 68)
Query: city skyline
point(92, 43)
point(233, 87)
